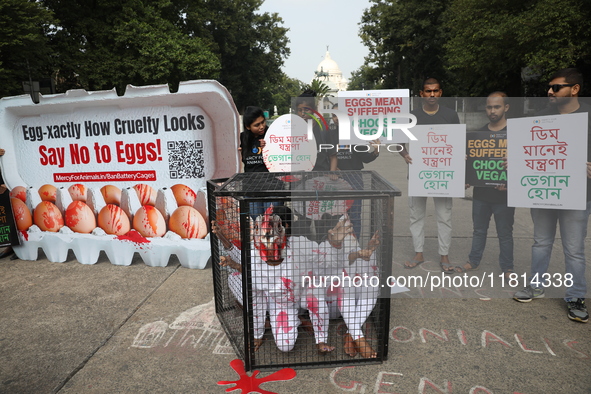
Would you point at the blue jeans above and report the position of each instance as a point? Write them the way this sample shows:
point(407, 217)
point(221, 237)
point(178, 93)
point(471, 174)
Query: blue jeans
point(573, 230)
point(356, 182)
point(504, 216)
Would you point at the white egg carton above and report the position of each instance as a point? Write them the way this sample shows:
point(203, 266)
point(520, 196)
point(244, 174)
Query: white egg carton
point(155, 252)
point(221, 160)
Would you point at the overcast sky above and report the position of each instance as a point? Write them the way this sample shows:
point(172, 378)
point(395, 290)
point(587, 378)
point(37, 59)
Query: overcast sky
point(315, 24)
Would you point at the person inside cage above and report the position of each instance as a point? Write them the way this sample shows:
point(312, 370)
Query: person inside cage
point(355, 294)
point(300, 257)
point(273, 280)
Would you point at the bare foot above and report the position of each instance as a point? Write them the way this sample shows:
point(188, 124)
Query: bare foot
point(258, 343)
point(350, 348)
point(364, 349)
point(416, 261)
point(323, 348)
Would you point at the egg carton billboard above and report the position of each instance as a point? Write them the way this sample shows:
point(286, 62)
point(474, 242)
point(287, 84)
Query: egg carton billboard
point(93, 171)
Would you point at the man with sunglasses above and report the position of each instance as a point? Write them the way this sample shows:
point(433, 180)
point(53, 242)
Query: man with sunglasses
point(431, 112)
point(563, 93)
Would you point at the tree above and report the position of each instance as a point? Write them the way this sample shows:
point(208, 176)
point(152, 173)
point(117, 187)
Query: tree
point(24, 51)
point(252, 46)
point(405, 41)
point(364, 78)
point(320, 88)
point(118, 42)
point(475, 46)
point(491, 42)
point(284, 91)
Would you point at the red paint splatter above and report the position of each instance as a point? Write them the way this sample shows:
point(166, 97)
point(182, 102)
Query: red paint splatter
point(115, 214)
point(288, 283)
point(150, 218)
point(25, 235)
point(312, 304)
point(290, 178)
point(283, 322)
point(191, 226)
point(133, 236)
point(251, 384)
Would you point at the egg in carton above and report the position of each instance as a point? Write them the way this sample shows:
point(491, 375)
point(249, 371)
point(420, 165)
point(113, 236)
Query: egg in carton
point(191, 251)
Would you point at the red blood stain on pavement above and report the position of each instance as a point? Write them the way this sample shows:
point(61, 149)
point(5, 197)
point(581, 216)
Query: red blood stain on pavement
point(249, 384)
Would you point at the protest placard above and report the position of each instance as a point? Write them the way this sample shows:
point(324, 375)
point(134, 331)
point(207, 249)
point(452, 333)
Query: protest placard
point(375, 110)
point(438, 161)
point(485, 151)
point(546, 157)
point(8, 231)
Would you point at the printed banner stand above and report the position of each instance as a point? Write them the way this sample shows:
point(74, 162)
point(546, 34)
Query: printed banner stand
point(119, 174)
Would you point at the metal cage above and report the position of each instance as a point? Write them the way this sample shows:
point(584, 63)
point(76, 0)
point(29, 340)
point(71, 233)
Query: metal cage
point(330, 281)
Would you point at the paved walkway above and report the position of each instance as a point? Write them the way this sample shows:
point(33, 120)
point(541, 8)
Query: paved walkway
point(73, 328)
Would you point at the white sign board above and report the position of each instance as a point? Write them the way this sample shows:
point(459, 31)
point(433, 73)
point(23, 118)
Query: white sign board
point(546, 157)
point(375, 109)
point(438, 161)
point(287, 146)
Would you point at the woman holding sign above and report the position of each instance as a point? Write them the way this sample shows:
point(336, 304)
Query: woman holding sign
point(251, 149)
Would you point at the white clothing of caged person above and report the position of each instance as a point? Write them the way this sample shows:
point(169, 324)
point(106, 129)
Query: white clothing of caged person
point(276, 271)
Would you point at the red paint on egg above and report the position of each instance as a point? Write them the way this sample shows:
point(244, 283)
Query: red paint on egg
point(80, 218)
point(113, 220)
point(78, 192)
point(146, 194)
point(22, 215)
point(19, 192)
point(184, 195)
point(48, 193)
point(48, 217)
point(149, 222)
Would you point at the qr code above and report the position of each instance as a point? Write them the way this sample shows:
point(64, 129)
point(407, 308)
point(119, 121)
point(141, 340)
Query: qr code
point(185, 159)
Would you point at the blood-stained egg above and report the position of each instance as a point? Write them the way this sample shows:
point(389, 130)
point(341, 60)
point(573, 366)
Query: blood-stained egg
point(78, 192)
point(149, 222)
point(22, 215)
point(146, 194)
point(113, 220)
point(111, 194)
point(183, 195)
point(48, 217)
point(48, 193)
point(188, 223)
point(19, 192)
point(80, 218)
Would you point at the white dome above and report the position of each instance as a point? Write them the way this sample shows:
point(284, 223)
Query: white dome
point(328, 71)
point(328, 65)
